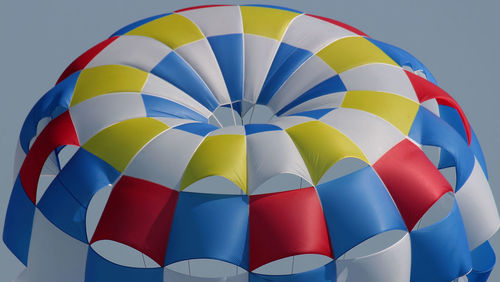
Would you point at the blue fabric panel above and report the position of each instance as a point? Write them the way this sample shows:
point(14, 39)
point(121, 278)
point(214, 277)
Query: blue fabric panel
point(85, 174)
point(209, 226)
point(451, 116)
point(483, 257)
point(57, 111)
point(228, 50)
point(236, 106)
point(136, 24)
point(356, 207)
point(326, 273)
point(260, 127)
point(429, 129)
point(317, 114)
point(403, 58)
point(273, 7)
point(478, 152)
point(64, 211)
point(328, 86)
point(287, 60)
point(55, 101)
point(446, 160)
point(18, 223)
point(180, 74)
point(474, 276)
point(99, 269)
point(483, 261)
point(201, 129)
point(440, 252)
point(161, 107)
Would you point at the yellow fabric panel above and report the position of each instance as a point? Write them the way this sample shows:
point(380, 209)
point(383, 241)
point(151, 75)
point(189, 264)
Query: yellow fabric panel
point(174, 30)
point(222, 155)
point(321, 146)
point(107, 79)
point(350, 52)
point(397, 110)
point(119, 143)
point(266, 21)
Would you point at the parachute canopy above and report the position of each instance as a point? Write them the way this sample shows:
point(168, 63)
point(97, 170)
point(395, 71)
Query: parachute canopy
point(174, 165)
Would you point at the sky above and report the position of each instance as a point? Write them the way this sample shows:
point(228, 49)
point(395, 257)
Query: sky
point(457, 40)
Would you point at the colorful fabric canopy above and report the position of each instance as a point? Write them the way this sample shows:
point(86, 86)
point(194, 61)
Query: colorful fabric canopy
point(140, 106)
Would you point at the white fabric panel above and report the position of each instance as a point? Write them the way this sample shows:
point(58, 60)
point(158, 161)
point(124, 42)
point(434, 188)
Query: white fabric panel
point(246, 107)
point(214, 184)
point(259, 114)
point(432, 105)
point(136, 51)
point(170, 275)
point(421, 73)
point(372, 134)
point(313, 34)
point(390, 265)
point(270, 153)
point(172, 122)
point(287, 122)
point(229, 130)
point(93, 115)
point(156, 86)
point(18, 160)
point(202, 59)
point(164, 159)
point(310, 74)
point(333, 100)
point(379, 77)
point(226, 116)
point(408, 68)
point(54, 256)
point(259, 55)
point(216, 20)
point(478, 208)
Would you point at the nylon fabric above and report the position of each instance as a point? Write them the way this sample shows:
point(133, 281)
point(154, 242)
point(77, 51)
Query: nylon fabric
point(185, 126)
point(315, 140)
point(119, 143)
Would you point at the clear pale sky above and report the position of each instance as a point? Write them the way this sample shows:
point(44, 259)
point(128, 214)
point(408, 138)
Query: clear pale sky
point(457, 40)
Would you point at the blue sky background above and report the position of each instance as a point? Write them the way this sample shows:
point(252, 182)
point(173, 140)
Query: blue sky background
point(457, 40)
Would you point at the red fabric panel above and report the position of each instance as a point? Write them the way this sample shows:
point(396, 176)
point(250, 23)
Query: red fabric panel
point(198, 7)
point(60, 131)
point(286, 223)
point(412, 179)
point(85, 58)
point(427, 90)
point(138, 214)
point(341, 24)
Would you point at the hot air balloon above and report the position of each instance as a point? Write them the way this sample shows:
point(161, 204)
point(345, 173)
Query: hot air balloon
point(211, 139)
